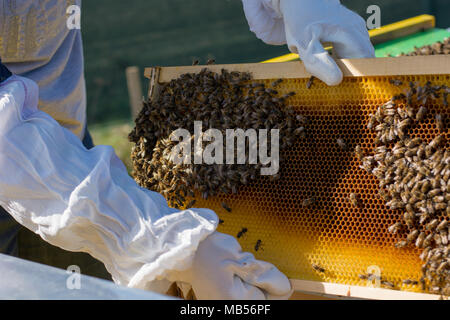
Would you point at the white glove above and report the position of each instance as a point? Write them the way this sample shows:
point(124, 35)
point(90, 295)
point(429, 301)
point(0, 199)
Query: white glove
point(83, 200)
point(221, 271)
point(307, 23)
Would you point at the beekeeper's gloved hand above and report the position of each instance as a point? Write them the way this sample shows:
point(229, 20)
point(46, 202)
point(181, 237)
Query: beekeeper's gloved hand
point(84, 200)
point(304, 24)
point(221, 271)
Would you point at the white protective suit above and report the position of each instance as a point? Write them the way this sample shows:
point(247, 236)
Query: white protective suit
point(84, 200)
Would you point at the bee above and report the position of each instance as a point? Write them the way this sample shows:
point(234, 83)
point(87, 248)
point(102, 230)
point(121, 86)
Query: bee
point(308, 202)
point(427, 241)
point(424, 215)
point(408, 216)
point(402, 113)
point(395, 227)
point(381, 127)
point(384, 195)
point(271, 91)
point(399, 152)
point(221, 221)
point(400, 96)
point(410, 111)
point(395, 82)
point(422, 283)
point(388, 284)
point(404, 123)
point(428, 151)
point(210, 61)
point(318, 268)
point(401, 244)
point(413, 142)
point(442, 226)
point(277, 82)
point(359, 152)
point(440, 206)
point(444, 237)
point(258, 245)
point(310, 82)
point(275, 177)
point(372, 121)
point(242, 232)
point(354, 200)
point(412, 236)
point(410, 282)
point(300, 118)
point(436, 142)
point(421, 113)
point(288, 95)
point(190, 204)
point(395, 204)
point(424, 254)
point(341, 144)
point(444, 265)
point(371, 277)
point(440, 122)
point(434, 192)
point(363, 276)
point(226, 207)
point(257, 85)
point(300, 131)
point(426, 186)
point(195, 62)
point(423, 170)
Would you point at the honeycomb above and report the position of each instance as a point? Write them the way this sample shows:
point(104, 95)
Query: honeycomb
point(342, 239)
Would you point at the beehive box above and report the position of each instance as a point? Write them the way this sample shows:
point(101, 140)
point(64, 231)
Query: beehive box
point(342, 239)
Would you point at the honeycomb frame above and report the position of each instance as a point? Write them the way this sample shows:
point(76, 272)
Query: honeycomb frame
point(344, 240)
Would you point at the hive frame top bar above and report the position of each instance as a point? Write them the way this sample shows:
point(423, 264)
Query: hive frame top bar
point(416, 65)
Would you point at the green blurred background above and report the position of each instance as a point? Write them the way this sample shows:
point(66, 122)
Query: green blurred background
point(144, 33)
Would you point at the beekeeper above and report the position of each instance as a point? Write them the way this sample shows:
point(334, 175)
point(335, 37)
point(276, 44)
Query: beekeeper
point(81, 199)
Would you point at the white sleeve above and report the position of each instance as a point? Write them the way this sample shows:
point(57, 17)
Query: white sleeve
point(265, 20)
point(84, 200)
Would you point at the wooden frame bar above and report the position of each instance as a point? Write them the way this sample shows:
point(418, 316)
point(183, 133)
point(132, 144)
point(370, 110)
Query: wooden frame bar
point(418, 65)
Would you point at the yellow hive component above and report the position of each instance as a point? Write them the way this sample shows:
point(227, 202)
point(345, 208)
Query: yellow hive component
point(342, 239)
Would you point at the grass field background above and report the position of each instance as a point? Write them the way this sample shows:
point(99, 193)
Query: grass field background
point(118, 34)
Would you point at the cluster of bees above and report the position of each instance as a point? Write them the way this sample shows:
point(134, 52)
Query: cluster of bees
point(384, 282)
point(225, 100)
point(436, 48)
point(414, 177)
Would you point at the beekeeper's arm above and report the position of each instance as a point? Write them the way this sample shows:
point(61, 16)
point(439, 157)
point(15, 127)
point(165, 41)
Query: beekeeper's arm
point(304, 24)
point(83, 200)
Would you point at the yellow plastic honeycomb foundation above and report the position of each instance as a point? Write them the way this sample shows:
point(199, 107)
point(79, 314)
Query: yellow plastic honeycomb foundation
point(343, 239)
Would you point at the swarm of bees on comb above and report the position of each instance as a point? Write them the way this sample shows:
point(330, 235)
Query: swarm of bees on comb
point(436, 48)
point(414, 177)
point(229, 100)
